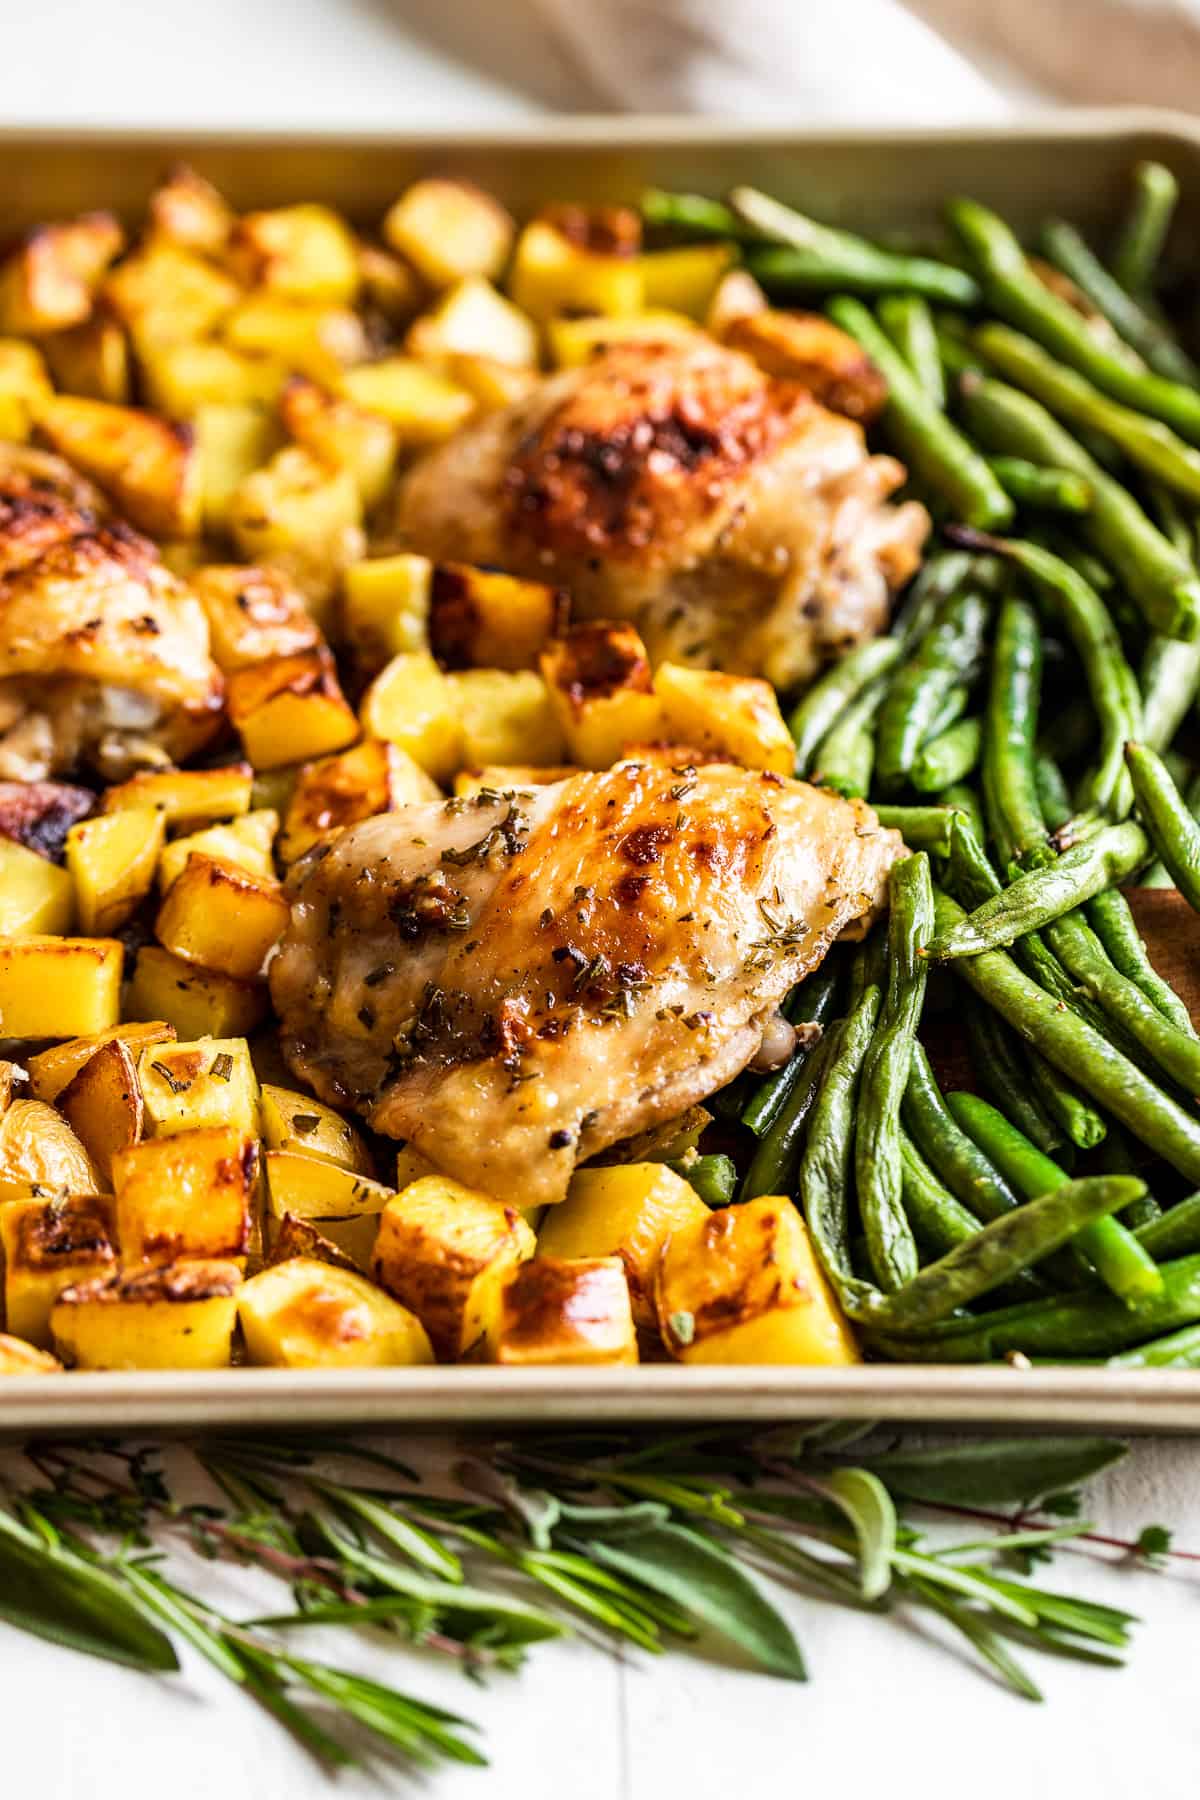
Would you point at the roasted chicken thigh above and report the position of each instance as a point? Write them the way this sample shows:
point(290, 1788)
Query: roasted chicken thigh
point(515, 981)
point(738, 523)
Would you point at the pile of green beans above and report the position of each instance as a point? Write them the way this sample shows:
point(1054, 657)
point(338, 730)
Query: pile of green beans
point(1028, 727)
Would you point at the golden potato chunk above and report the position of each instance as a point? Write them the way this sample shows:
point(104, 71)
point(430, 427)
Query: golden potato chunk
point(222, 917)
point(388, 285)
point(35, 895)
point(102, 1103)
point(210, 1082)
point(347, 1205)
point(491, 384)
point(575, 341)
point(246, 841)
point(40, 1153)
point(19, 1358)
point(735, 717)
point(422, 404)
point(303, 252)
point(146, 465)
point(411, 703)
point(295, 1121)
point(181, 378)
point(449, 230)
point(48, 1246)
point(685, 279)
point(472, 319)
point(601, 686)
point(299, 1237)
point(178, 1317)
point(503, 778)
point(194, 1194)
point(479, 618)
point(231, 443)
point(50, 1070)
point(290, 708)
point(111, 860)
point(166, 295)
point(385, 608)
point(809, 348)
point(506, 714)
point(197, 1002)
point(48, 281)
point(337, 791)
point(253, 614)
point(551, 274)
point(444, 1251)
point(627, 1211)
point(59, 987)
point(186, 796)
point(307, 1314)
point(314, 340)
point(188, 210)
point(743, 1286)
point(571, 1312)
point(342, 434)
point(304, 517)
point(24, 388)
point(92, 359)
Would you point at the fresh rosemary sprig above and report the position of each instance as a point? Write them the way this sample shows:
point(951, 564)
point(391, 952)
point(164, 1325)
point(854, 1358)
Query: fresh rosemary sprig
point(653, 1542)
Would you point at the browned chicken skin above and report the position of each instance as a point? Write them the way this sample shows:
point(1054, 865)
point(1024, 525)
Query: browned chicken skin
point(515, 981)
point(738, 523)
point(103, 653)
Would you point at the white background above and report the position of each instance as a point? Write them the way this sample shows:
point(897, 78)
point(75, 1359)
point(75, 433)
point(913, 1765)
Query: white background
point(889, 1709)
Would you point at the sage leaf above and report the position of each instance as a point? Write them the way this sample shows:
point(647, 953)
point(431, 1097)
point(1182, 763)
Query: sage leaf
point(995, 1472)
point(868, 1506)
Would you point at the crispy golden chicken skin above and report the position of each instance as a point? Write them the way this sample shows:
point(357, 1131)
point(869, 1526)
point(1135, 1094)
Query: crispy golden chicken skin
point(738, 523)
point(515, 981)
point(104, 655)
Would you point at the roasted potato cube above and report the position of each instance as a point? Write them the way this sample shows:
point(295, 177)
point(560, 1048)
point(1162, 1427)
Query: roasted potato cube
point(246, 841)
point(179, 1317)
point(551, 275)
point(209, 1082)
point(343, 435)
point(59, 987)
point(305, 1314)
point(388, 285)
point(317, 341)
point(188, 211)
point(479, 618)
point(48, 281)
point(198, 1002)
point(506, 714)
point(685, 279)
point(222, 917)
point(49, 1245)
point(295, 1121)
point(738, 295)
point(253, 614)
point(24, 387)
point(166, 295)
point(146, 465)
point(385, 607)
point(297, 1237)
point(600, 683)
point(472, 319)
point(35, 895)
point(504, 778)
point(422, 404)
point(186, 796)
point(303, 516)
point(445, 1251)
point(743, 1286)
point(181, 378)
point(575, 341)
point(734, 716)
point(50, 1070)
point(347, 1205)
point(112, 859)
point(411, 703)
point(337, 791)
point(39, 814)
point(8, 1074)
point(303, 252)
point(19, 1358)
point(92, 359)
point(555, 1311)
point(40, 1153)
point(809, 348)
point(102, 1103)
point(449, 230)
point(290, 708)
point(231, 443)
point(193, 1194)
point(627, 1211)
point(491, 384)
point(411, 1165)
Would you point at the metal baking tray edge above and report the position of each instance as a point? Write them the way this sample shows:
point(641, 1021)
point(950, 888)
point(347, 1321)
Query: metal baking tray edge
point(1057, 162)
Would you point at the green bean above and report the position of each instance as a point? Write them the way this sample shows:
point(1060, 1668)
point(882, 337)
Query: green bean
point(1080, 1051)
point(1016, 294)
point(962, 798)
point(954, 704)
point(1053, 797)
point(1139, 246)
point(1175, 833)
point(947, 758)
point(825, 1168)
point(845, 758)
point(1010, 730)
point(1084, 1126)
point(1175, 1233)
point(1033, 900)
point(694, 214)
point(996, 1060)
point(1148, 443)
point(954, 1156)
point(1003, 1249)
point(1116, 1158)
point(773, 1165)
point(1062, 245)
point(1029, 484)
point(1082, 954)
point(812, 1006)
point(1158, 579)
point(818, 256)
point(1068, 1325)
point(1169, 678)
point(885, 1075)
point(936, 451)
point(714, 1178)
point(941, 577)
point(939, 1221)
point(827, 699)
point(955, 353)
point(1114, 924)
point(922, 827)
point(942, 660)
point(909, 323)
point(1177, 1350)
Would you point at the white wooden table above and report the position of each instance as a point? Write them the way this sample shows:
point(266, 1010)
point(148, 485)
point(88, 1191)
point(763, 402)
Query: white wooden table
point(888, 1707)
